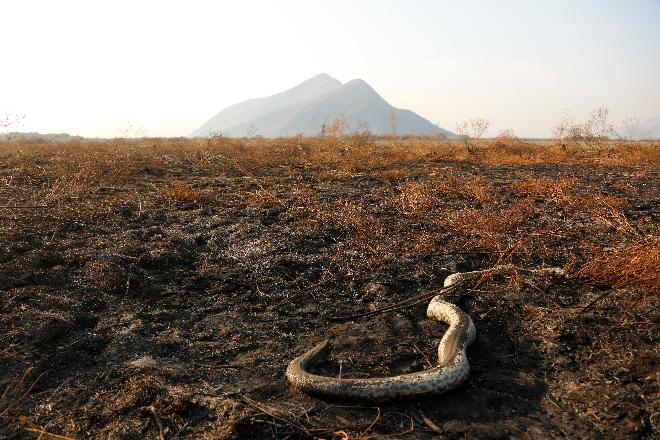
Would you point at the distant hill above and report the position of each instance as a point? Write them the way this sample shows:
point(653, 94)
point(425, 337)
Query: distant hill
point(649, 129)
point(304, 108)
point(39, 137)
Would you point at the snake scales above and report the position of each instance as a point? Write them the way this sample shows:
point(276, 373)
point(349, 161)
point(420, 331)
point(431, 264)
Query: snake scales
point(452, 369)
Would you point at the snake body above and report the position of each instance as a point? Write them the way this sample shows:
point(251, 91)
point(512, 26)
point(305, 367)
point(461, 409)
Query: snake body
point(452, 369)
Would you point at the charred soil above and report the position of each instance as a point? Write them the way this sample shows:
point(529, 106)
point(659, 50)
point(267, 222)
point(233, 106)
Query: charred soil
point(171, 283)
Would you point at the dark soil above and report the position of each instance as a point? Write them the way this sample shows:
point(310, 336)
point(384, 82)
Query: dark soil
point(194, 300)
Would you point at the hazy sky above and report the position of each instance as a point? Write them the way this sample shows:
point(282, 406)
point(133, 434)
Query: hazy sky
point(88, 67)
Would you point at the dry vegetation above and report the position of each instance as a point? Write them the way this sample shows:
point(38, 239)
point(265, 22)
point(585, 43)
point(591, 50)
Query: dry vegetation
point(170, 281)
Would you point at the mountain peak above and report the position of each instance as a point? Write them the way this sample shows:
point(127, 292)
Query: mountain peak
point(357, 81)
point(303, 109)
point(321, 78)
point(360, 85)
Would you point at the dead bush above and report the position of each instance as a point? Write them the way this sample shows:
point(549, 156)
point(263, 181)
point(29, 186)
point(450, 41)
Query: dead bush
point(627, 265)
point(413, 198)
point(479, 190)
point(557, 190)
point(182, 193)
point(264, 198)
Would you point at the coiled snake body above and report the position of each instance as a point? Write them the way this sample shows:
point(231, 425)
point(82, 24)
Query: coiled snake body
point(452, 369)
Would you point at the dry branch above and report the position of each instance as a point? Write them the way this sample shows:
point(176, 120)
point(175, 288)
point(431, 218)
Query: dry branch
point(161, 429)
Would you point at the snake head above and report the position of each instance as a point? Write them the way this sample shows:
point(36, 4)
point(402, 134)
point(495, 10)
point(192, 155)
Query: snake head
point(319, 353)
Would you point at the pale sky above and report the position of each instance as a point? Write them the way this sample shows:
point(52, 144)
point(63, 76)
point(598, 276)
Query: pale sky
point(88, 67)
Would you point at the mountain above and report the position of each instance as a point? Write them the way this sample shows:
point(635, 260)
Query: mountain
point(39, 138)
point(649, 129)
point(305, 107)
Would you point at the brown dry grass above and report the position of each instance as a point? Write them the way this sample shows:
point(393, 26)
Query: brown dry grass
point(85, 178)
point(601, 208)
point(127, 159)
point(12, 404)
point(181, 192)
point(414, 198)
point(557, 190)
point(634, 265)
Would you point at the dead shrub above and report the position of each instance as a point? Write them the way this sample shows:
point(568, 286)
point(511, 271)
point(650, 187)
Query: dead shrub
point(479, 190)
point(487, 229)
point(265, 198)
point(413, 198)
point(606, 209)
point(393, 174)
point(445, 184)
point(633, 265)
point(557, 190)
point(182, 193)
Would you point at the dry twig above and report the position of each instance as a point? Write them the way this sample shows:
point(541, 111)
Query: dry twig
point(161, 429)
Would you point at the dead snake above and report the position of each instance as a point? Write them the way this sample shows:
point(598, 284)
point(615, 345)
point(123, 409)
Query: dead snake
point(452, 369)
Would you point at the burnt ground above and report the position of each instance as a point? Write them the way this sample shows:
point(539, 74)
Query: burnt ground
point(188, 291)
